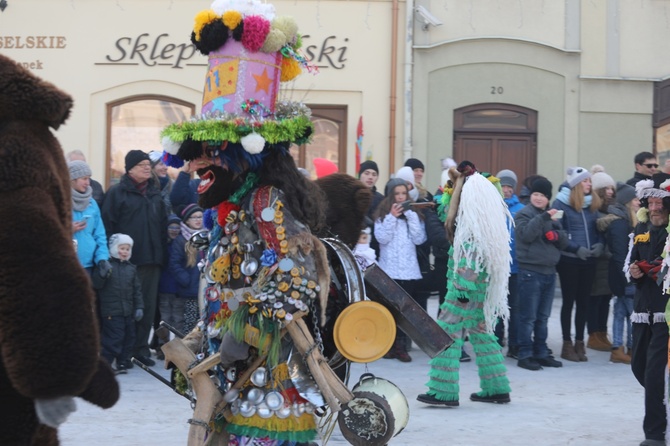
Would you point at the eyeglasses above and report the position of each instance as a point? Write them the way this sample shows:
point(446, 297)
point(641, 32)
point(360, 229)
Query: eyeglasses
point(195, 218)
point(651, 165)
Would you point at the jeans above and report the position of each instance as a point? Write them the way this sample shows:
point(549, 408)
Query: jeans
point(536, 296)
point(623, 308)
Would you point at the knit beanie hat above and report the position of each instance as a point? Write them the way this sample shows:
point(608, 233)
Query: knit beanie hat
point(392, 183)
point(155, 156)
point(119, 239)
point(406, 173)
point(172, 219)
point(134, 157)
point(624, 193)
point(188, 210)
point(448, 163)
point(78, 169)
point(601, 180)
point(543, 186)
point(507, 178)
point(365, 165)
point(414, 164)
point(576, 175)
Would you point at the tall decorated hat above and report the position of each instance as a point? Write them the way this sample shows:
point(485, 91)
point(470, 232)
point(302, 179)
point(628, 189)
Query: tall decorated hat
point(250, 52)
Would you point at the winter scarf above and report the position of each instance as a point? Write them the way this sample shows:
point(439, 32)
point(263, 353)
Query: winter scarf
point(564, 197)
point(186, 231)
point(81, 200)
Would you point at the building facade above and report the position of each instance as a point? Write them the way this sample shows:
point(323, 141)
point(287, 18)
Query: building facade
point(530, 85)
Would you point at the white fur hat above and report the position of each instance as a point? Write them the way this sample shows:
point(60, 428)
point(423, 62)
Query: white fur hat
point(119, 239)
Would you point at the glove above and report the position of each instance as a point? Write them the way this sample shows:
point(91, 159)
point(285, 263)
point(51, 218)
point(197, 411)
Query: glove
point(54, 411)
point(551, 236)
point(104, 268)
point(597, 249)
point(583, 253)
point(139, 313)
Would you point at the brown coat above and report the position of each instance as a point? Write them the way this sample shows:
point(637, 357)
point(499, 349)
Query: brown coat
point(49, 343)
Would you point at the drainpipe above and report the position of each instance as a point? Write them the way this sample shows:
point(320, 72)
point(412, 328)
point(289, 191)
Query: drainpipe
point(394, 62)
point(409, 69)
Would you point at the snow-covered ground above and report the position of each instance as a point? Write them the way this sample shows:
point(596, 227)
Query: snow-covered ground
point(588, 403)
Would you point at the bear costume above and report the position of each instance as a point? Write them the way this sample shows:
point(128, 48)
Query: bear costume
point(49, 342)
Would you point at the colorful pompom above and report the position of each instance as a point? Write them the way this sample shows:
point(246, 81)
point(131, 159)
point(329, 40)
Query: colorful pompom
point(231, 19)
point(201, 19)
point(170, 146)
point(253, 143)
point(274, 41)
point(290, 69)
point(256, 28)
point(287, 25)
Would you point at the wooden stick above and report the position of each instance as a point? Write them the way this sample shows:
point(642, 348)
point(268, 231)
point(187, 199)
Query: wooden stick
point(205, 365)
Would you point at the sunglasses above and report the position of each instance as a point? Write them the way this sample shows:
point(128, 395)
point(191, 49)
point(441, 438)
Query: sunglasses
point(651, 165)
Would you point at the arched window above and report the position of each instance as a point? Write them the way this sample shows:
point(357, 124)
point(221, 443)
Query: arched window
point(135, 123)
point(329, 140)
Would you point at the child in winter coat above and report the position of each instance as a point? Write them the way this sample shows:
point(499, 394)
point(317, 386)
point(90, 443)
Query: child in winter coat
point(399, 231)
point(365, 255)
point(121, 303)
point(183, 265)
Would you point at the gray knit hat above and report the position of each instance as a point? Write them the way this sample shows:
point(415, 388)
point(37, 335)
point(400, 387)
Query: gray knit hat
point(576, 175)
point(78, 169)
point(507, 178)
point(601, 180)
point(624, 193)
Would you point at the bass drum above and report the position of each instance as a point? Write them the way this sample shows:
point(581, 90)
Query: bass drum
point(346, 287)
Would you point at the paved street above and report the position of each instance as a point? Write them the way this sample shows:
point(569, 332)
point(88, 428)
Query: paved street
point(594, 403)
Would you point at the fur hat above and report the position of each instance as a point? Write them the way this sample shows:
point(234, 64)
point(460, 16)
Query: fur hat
point(365, 165)
point(78, 169)
point(576, 175)
point(624, 193)
point(658, 186)
point(507, 178)
point(601, 180)
point(119, 239)
point(188, 210)
point(543, 186)
point(414, 164)
point(134, 157)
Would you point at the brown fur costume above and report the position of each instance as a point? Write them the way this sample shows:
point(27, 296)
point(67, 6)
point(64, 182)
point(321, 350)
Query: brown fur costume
point(348, 203)
point(49, 343)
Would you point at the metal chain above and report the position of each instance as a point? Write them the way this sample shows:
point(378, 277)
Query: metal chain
point(315, 322)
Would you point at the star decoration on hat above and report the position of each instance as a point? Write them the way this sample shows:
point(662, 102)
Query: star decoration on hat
point(3, 5)
point(263, 82)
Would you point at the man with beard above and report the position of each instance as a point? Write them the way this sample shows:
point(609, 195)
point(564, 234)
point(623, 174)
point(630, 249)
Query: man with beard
point(650, 332)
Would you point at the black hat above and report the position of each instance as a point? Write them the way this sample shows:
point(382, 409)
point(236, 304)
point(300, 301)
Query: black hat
point(134, 157)
point(414, 164)
point(365, 165)
point(188, 210)
point(543, 186)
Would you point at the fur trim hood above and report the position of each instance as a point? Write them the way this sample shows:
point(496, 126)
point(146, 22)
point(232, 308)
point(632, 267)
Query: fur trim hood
point(25, 97)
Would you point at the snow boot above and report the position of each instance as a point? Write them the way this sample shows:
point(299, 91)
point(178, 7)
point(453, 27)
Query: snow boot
point(619, 356)
point(581, 351)
point(568, 353)
point(598, 341)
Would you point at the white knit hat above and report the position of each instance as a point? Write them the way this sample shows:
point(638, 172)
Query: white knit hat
point(601, 180)
point(119, 239)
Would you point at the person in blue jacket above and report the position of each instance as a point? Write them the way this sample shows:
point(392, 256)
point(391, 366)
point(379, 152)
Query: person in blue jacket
point(183, 264)
point(508, 183)
point(577, 266)
point(87, 226)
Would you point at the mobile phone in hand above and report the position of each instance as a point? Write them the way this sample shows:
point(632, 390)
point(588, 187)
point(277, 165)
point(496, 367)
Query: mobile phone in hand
point(406, 205)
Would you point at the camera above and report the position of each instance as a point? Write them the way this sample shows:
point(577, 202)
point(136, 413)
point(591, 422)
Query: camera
point(427, 17)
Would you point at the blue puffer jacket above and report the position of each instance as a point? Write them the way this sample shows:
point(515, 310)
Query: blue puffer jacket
point(92, 240)
point(581, 229)
point(187, 277)
point(514, 206)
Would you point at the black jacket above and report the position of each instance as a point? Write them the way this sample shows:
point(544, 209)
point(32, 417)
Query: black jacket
point(533, 251)
point(120, 294)
point(142, 217)
point(649, 297)
point(636, 177)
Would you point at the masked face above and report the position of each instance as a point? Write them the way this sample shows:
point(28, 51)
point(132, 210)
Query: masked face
point(216, 185)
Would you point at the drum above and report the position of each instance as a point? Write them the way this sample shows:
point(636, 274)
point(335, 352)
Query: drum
point(346, 287)
point(378, 412)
